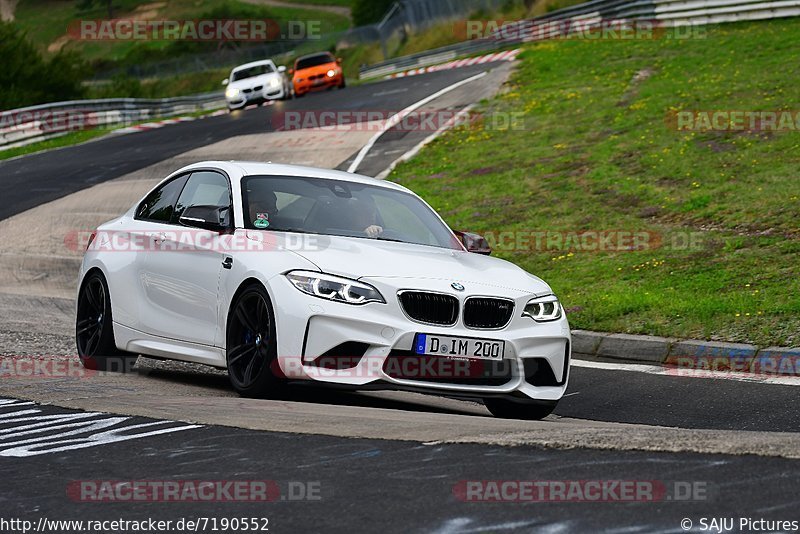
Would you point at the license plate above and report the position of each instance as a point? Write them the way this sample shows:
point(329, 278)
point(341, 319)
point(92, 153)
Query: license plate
point(319, 82)
point(459, 347)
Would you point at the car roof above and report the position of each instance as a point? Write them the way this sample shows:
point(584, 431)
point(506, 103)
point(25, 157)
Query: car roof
point(254, 64)
point(259, 168)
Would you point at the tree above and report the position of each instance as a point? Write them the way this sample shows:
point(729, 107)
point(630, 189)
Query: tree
point(370, 11)
point(85, 5)
point(27, 79)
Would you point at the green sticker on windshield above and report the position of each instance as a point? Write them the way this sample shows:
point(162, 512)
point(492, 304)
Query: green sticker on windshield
point(261, 223)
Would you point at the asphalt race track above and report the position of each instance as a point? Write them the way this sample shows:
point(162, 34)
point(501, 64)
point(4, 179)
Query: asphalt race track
point(33, 180)
point(341, 461)
point(407, 487)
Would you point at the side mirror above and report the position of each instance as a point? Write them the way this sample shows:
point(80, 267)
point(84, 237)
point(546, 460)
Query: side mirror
point(225, 81)
point(339, 60)
point(474, 243)
point(291, 71)
point(281, 69)
point(205, 217)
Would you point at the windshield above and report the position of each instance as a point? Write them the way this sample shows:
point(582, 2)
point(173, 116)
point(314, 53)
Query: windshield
point(251, 72)
point(314, 61)
point(334, 207)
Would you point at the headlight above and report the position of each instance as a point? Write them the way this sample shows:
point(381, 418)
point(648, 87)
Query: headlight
point(274, 82)
point(543, 309)
point(338, 289)
point(231, 92)
point(331, 73)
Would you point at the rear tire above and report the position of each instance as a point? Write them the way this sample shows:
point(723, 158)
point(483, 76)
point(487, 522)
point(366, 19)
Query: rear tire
point(252, 346)
point(529, 411)
point(94, 329)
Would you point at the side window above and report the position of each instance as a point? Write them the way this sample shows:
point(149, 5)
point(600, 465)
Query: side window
point(205, 188)
point(159, 205)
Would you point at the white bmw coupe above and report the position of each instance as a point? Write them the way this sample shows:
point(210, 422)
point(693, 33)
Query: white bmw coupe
point(280, 274)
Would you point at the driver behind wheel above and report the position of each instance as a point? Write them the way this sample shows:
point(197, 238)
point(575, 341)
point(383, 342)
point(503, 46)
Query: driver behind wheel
point(364, 217)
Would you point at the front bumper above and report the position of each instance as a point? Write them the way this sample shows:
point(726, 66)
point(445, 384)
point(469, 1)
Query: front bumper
point(307, 86)
point(255, 97)
point(374, 341)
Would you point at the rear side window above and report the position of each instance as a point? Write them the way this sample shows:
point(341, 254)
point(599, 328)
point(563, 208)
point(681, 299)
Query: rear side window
point(204, 188)
point(159, 205)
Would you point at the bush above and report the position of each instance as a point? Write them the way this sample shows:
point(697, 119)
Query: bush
point(27, 79)
point(370, 11)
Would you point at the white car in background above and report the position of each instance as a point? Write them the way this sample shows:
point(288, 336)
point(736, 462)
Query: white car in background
point(256, 83)
point(280, 273)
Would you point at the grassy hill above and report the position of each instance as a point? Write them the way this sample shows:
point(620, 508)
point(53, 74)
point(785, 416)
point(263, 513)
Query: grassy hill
point(46, 22)
point(599, 152)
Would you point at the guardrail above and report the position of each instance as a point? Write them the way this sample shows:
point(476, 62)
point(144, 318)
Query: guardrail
point(593, 13)
point(19, 127)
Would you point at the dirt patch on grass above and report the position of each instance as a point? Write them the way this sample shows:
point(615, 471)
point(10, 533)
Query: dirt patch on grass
point(633, 86)
point(142, 12)
point(7, 8)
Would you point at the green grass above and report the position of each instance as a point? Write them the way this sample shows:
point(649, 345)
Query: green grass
point(72, 138)
point(187, 84)
point(46, 21)
point(596, 153)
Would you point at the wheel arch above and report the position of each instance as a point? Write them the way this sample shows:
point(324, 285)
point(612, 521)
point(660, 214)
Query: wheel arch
point(99, 269)
point(246, 283)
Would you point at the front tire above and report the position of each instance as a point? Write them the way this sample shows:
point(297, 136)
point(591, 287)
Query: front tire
point(94, 329)
point(529, 411)
point(251, 344)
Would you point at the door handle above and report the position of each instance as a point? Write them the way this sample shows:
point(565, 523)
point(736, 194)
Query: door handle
point(227, 262)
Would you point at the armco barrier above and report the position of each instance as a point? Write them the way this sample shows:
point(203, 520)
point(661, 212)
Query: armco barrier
point(22, 126)
point(595, 12)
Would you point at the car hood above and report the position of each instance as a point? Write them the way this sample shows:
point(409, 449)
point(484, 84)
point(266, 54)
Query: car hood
point(249, 83)
point(368, 258)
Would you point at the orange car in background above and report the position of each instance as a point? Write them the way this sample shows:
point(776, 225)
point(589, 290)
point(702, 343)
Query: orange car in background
point(315, 72)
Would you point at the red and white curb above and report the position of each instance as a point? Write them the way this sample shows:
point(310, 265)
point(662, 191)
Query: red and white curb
point(508, 55)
